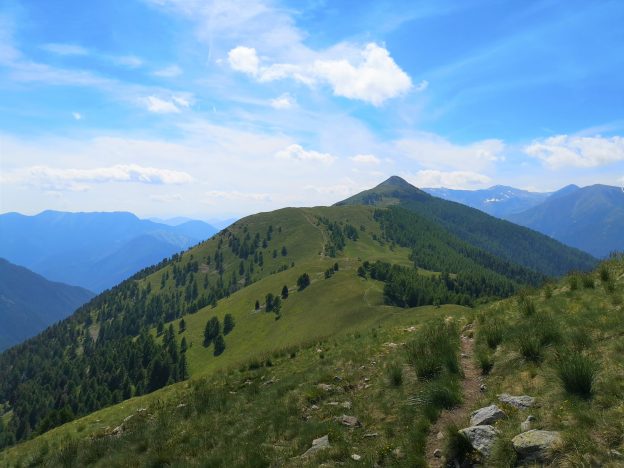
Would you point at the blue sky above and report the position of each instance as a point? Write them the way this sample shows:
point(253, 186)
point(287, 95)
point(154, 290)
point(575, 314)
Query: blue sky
point(217, 108)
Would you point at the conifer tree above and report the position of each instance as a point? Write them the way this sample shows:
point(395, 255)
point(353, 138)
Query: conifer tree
point(228, 324)
point(219, 345)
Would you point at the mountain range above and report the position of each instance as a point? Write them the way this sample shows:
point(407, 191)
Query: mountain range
point(29, 303)
point(589, 218)
point(93, 250)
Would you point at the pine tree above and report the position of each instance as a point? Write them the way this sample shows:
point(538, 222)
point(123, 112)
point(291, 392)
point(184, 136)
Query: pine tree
point(303, 281)
point(212, 330)
point(285, 292)
point(284, 251)
point(182, 326)
point(219, 345)
point(257, 305)
point(228, 324)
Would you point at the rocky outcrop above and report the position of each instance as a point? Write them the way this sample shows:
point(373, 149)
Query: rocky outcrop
point(319, 444)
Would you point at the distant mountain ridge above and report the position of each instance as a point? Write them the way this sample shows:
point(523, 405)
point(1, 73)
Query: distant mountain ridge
point(29, 303)
point(94, 250)
point(500, 200)
point(498, 237)
point(589, 218)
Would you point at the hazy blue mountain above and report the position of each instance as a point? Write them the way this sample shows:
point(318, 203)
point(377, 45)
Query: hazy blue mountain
point(506, 240)
point(92, 250)
point(29, 303)
point(500, 201)
point(589, 218)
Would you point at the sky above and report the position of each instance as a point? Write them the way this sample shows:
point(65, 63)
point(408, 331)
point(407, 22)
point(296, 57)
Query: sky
point(220, 108)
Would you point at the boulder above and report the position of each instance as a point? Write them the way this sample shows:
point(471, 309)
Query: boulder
point(319, 444)
point(521, 402)
point(481, 438)
point(535, 445)
point(488, 415)
point(356, 457)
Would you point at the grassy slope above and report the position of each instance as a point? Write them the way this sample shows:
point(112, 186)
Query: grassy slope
point(590, 321)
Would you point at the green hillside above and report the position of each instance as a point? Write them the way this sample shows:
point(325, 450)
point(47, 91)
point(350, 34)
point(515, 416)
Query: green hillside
point(148, 332)
point(381, 397)
point(498, 237)
point(29, 303)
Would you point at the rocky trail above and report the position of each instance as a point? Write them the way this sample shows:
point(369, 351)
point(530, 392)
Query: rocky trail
point(471, 388)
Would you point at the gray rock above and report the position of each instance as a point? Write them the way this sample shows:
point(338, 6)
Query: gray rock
point(488, 415)
point(481, 438)
point(326, 387)
point(437, 453)
point(319, 444)
point(356, 457)
point(535, 445)
point(483, 388)
point(370, 435)
point(521, 402)
point(349, 421)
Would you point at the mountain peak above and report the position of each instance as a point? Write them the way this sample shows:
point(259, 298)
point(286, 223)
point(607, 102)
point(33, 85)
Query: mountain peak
point(396, 181)
point(391, 191)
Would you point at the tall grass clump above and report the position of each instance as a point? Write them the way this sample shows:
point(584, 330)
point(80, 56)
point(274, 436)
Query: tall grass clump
point(434, 350)
point(492, 333)
point(395, 374)
point(605, 274)
point(588, 281)
point(527, 306)
point(458, 448)
point(577, 373)
point(536, 334)
point(573, 282)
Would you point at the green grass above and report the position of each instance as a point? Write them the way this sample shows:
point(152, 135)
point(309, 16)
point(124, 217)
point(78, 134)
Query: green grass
point(577, 373)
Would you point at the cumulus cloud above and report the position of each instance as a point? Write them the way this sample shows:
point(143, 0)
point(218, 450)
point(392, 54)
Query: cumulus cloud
point(297, 153)
point(370, 75)
point(285, 101)
point(450, 179)
point(244, 59)
point(65, 49)
point(564, 150)
point(49, 178)
point(365, 159)
point(168, 72)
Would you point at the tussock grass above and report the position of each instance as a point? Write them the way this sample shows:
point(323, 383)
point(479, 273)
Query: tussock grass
point(435, 350)
point(577, 373)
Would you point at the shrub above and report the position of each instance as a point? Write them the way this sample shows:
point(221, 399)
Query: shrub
point(605, 275)
point(530, 347)
point(577, 373)
point(573, 282)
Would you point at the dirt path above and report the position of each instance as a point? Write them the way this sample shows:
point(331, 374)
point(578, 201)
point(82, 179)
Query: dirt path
point(471, 387)
point(323, 234)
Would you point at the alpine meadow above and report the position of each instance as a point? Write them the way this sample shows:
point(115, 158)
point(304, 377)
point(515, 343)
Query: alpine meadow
point(266, 233)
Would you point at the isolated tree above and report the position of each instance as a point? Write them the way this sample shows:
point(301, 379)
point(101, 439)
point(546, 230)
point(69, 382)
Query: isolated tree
point(277, 305)
point(303, 281)
point(183, 345)
point(257, 304)
point(336, 266)
point(213, 328)
point(182, 326)
point(284, 251)
point(219, 345)
point(285, 292)
point(361, 271)
point(268, 306)
point(228, 324)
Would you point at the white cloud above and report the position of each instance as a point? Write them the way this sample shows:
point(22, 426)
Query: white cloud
point(297, 153)
point(49, 178)
point(369, 74)
point(166, 106)
point(244, 59)
point(167, 198)
point(435, 152)
point(451, 179)
point(77, 115)
point(374, 79)
point(168, 72)
point(285, 101)
point(564, 150)
point(365, 159)
point(65, 49)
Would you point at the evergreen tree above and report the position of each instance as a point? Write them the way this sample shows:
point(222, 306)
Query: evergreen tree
point(257, 307)
point(160, 328)
point(303, 281)
point(277, 305)
point(285, 292)
point(219, 345)
point(270, 298)
point(284, 251)
point(228, 324)
point(212, 330)
point(183, 345)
